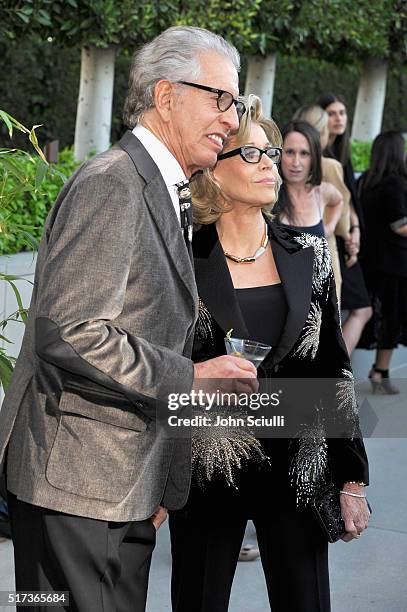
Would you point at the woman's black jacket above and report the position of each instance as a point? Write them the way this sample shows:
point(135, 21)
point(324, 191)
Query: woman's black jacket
point(311, 353)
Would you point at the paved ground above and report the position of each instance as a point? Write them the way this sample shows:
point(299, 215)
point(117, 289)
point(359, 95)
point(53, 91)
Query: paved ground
point(369, 575)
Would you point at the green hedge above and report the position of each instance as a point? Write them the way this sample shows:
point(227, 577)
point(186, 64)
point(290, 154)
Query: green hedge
point(33, 90)
point(360, 155)
point(31, 209)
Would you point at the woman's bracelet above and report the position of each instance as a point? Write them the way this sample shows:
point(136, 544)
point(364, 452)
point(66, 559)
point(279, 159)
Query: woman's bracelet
point(353, 494)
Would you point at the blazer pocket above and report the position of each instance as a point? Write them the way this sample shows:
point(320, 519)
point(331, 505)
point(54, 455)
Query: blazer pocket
point(94, 450)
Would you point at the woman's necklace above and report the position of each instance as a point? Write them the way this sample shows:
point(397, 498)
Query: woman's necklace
point(260, 251)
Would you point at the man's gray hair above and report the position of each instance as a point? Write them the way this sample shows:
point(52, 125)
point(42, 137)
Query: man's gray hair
point(173, 55)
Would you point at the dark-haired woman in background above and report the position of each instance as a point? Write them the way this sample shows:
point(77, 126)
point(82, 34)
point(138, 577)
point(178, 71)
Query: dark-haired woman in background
point(303, 197)
point(332, 172)
point(355, 298)
point(383, 191)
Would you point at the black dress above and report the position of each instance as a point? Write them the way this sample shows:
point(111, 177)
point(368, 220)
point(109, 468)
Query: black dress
point(385, 263)
point(256, 304)
point(315, 230)
point(354, 291)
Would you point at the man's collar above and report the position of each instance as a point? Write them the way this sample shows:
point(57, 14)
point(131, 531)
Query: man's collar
point(168, 165)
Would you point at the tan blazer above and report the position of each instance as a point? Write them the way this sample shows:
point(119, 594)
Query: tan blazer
point(109, 334)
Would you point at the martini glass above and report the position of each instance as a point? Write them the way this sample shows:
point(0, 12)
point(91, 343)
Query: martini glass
point(253, 351)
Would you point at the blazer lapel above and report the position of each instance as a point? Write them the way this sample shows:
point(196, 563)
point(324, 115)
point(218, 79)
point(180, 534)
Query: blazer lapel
point(162, 210)
point(295, 267)
point(214, 282)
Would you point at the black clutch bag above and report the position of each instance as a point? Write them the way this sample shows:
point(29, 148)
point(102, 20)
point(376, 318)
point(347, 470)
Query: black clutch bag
point(327, 509)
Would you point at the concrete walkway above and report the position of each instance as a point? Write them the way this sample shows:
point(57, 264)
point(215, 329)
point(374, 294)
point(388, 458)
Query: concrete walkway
point(368, 575)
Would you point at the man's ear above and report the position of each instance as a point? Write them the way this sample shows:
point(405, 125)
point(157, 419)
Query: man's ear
point(164, 99)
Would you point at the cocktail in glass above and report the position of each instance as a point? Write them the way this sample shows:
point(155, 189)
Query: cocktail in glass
point(253, 351)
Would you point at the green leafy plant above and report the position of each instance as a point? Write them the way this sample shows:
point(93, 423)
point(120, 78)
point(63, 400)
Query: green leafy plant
point(360, 152)
point(30, 208)
point(17, 182)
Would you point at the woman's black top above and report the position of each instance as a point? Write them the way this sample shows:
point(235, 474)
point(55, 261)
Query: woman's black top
point(315, 230)
point(264, 311)
point(383, 205)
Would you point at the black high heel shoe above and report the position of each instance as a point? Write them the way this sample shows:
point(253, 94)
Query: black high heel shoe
point(383, 385)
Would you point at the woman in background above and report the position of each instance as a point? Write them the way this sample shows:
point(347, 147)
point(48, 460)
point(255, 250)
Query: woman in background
point(383, 194)
point(332, 172)
point(304, 198)
point(355, 298)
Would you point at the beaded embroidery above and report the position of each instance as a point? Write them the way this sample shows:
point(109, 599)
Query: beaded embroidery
point(204, 325)
point(322, 261)
point(310, 334)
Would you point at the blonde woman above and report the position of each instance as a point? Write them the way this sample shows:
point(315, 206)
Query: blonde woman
point(269, 283)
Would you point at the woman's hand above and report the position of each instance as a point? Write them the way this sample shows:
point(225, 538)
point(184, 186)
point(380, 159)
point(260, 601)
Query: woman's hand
point(351, 260)
point(352, 245)
point(159, 516)
point(355, 512)
point(354, 239)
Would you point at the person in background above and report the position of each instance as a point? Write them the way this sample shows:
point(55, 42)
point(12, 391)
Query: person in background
point(304, 199)
point(332, 172)
point(383, 195)
point(354, 298)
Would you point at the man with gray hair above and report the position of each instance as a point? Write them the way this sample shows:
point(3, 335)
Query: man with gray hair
point(109, 335)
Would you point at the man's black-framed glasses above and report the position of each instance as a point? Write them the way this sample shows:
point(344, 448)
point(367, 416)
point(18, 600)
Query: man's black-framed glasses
point(224, 99)
point(252, 155)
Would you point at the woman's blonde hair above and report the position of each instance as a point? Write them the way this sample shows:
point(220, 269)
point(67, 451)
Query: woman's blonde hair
point(208, 201)
point(314, 115)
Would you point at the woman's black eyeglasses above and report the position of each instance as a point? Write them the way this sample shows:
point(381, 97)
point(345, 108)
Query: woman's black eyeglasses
point(252, 155)
point(224, 100)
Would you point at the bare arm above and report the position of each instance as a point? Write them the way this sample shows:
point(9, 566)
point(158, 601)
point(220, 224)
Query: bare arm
point(332, 203)
point(333, 173)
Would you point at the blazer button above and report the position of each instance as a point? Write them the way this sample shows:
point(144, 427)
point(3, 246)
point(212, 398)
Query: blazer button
point(276, 368)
